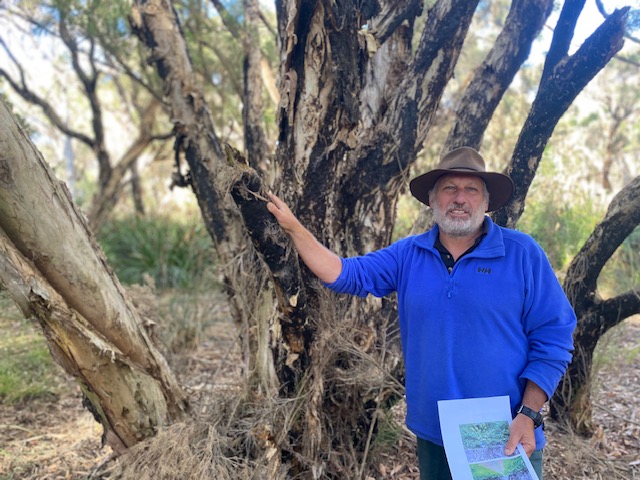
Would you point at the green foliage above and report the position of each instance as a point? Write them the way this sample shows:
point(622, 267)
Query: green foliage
point(26, 368)
point(622, 271)
point(560, 226)
point(498, 469)
point(174, 254)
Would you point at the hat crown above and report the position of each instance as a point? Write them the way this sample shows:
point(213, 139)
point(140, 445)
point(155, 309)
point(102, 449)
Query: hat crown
point(463, 158)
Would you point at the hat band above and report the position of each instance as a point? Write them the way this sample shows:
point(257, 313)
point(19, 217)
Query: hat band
point(465, 168)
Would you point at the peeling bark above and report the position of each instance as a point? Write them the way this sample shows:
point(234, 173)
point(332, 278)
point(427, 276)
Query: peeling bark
point(57, 274)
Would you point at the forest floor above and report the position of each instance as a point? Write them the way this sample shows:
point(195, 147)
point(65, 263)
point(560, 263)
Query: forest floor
point(56, 438)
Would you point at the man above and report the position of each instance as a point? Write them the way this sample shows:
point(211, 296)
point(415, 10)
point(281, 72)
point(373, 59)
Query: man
point(481, 311)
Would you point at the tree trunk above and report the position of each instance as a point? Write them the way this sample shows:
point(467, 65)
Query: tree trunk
point(356, 102)
point(58, 276)
point(289, 351)
point(572, 401)
point(357, 98)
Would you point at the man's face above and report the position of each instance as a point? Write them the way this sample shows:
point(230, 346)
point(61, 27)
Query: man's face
point(459, 203)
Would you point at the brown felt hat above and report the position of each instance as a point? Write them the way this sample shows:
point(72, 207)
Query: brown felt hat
point(464, 160)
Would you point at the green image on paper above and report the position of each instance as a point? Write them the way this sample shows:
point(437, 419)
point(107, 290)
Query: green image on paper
point(503, 469)
point(484, 441)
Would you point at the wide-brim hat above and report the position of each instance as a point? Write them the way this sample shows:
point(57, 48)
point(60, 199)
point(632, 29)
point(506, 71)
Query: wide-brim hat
point(464, 160)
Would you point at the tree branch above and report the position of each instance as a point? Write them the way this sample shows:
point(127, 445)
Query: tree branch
point(89, 82)
point(613, 311)
point(273, 246)
point(604, 14)
point(562, 35)
point(512, 47)
point(385, 23)
point(447, 26)
point(30, 96)
point(392, 146)
point(622, 217)
point(555, 94)
point(213, 171)
point(227, 19)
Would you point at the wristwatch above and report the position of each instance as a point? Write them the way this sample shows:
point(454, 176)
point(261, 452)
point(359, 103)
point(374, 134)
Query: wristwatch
point(532, 414)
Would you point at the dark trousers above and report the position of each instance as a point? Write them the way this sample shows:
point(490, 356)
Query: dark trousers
point(432, 461)
point(434, 466)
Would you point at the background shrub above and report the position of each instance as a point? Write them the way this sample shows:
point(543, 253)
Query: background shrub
point(175, 254)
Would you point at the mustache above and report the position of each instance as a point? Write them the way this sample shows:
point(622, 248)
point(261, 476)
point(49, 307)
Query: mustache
point(458, 207)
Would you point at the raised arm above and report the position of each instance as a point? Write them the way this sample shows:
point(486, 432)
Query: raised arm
point(325, 264)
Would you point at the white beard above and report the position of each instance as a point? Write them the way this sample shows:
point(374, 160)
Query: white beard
point(458, 227)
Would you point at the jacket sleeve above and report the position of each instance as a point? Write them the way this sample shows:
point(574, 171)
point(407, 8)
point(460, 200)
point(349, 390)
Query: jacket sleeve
point(549, 322)
point(375, 273)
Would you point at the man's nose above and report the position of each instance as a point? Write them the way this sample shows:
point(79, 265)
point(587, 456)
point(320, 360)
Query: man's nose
point(460, 197)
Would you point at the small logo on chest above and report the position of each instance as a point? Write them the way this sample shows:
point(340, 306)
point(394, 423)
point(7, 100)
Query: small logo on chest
point(485, 270)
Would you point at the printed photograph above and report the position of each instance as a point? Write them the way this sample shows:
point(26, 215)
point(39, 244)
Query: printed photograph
point(484, 441)
point(502, 469)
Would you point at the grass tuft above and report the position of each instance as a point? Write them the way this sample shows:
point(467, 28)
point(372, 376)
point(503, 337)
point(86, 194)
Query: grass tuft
point(174, 254)
point(27, 370)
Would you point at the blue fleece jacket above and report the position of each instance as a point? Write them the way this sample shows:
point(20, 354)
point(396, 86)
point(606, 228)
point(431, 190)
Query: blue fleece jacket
point(498, 319)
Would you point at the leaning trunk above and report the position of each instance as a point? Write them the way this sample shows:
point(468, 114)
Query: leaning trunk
point(57, 274)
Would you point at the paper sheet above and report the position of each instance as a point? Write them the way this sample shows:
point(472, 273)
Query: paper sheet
point(475, 432)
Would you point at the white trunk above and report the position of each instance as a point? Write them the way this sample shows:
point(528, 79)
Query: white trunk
point(55, 271)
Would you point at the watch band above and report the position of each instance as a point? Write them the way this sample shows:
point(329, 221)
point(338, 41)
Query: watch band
point(532, 414)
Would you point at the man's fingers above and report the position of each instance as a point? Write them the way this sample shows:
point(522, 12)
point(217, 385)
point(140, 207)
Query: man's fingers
point(276, 201)
point(510, 447)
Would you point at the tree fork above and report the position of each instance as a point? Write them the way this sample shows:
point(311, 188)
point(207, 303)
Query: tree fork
point(572, 401)
point(556, 93)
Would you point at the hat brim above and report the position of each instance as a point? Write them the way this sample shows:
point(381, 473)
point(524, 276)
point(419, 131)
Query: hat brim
point(499, 186)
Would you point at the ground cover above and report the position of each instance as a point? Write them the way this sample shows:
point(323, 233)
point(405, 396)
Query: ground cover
point(47, 434)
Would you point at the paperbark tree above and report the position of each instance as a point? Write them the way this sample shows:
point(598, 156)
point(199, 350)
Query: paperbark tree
point(358, 95)
point(572, 401)
point(356, 102)
point(52, 267)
